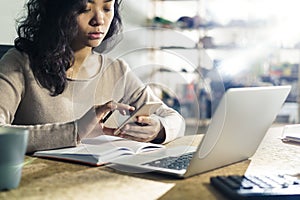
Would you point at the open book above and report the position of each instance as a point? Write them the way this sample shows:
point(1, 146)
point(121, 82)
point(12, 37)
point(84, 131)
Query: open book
point(99, 150)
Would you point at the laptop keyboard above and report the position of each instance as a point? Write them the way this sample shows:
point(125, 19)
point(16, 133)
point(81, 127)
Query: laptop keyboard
point(177, 163)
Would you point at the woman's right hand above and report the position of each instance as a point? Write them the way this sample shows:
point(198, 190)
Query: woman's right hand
point(94, 117)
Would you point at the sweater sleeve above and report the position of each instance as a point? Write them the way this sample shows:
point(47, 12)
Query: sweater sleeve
point(49, 136)
point(12, 89)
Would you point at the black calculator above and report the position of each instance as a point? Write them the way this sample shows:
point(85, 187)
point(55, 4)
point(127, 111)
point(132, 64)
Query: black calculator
point(262, 187)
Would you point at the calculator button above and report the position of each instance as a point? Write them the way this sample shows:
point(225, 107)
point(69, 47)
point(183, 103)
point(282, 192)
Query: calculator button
point(230, 183)
point(242, 181)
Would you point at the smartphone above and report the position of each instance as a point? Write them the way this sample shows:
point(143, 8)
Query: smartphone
point(146, 109)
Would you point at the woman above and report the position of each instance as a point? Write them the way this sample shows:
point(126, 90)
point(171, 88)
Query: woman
point(55, 85)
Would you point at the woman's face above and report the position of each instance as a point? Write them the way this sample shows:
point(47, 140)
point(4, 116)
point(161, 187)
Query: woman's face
point(93, 23)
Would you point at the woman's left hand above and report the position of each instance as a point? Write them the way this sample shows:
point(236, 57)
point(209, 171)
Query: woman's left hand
point(145, 129)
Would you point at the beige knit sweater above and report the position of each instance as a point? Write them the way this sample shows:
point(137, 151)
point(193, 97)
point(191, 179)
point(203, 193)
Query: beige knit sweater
point(24, 103)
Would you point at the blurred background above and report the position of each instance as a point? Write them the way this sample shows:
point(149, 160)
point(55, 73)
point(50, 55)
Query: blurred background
point(200, 48)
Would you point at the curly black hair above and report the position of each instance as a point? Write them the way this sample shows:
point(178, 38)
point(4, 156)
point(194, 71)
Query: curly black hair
point(45, 35)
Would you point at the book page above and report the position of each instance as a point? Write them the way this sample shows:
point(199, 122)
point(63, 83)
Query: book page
point(100, 139)
point(138, 147)
point(86, 149)
point(117, 142)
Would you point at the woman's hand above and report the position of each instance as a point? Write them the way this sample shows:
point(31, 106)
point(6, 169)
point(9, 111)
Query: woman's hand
point(95, 116)
point(145, 129)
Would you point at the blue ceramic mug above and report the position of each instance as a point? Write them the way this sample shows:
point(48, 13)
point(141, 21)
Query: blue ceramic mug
point(13, 143)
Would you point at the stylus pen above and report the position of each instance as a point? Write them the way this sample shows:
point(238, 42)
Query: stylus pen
point(105, 118)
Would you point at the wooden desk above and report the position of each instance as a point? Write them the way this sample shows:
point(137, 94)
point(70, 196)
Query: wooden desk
point(49, 179)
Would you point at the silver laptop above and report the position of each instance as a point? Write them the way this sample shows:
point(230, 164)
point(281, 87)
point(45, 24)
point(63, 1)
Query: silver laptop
point(238, 126)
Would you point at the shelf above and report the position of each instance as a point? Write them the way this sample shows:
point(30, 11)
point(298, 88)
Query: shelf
point(205, 27)
point(281, 77)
